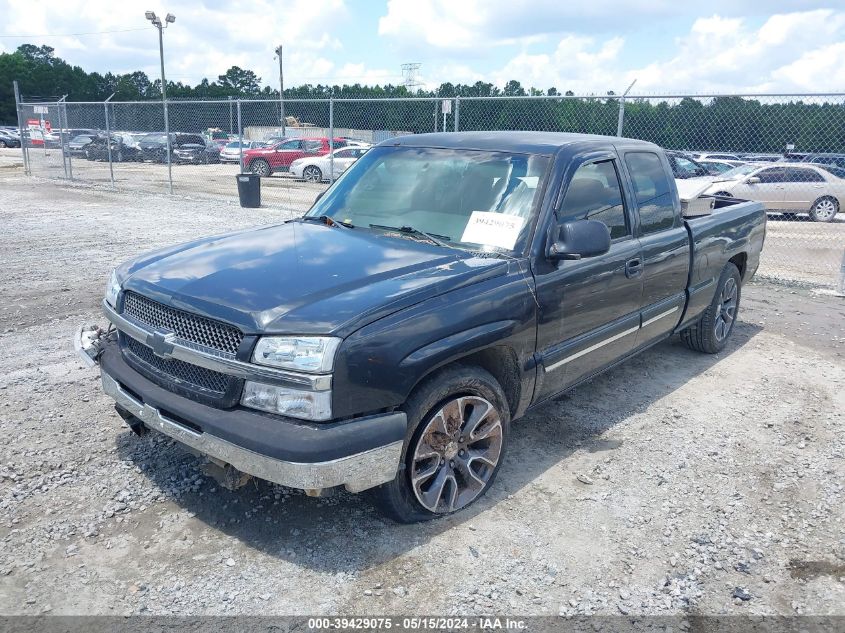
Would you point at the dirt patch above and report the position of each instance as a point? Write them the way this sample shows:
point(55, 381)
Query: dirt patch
point(709, 473)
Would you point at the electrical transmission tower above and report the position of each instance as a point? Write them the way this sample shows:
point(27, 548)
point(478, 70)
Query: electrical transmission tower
point(411, 75)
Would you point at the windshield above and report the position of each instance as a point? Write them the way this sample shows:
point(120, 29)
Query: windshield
point(686, 167)
point(483, 200)
point(839, 172)
point(738, 172)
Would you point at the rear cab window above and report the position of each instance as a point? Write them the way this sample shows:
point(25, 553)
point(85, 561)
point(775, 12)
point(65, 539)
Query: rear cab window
point(653, 191)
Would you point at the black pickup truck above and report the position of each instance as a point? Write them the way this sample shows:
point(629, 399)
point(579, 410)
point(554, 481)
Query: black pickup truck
point(442, 287)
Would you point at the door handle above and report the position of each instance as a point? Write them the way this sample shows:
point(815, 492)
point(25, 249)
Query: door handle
point(633, 268)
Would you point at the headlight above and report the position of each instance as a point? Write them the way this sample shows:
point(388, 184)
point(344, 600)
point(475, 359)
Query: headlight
point(313, 354)
point(112, 290)
point(308, 405)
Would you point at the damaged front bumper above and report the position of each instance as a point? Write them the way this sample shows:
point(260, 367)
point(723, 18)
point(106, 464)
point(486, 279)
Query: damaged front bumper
point(357, 454)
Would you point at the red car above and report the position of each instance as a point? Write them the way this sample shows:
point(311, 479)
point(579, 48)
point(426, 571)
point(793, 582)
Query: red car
point(266, 160)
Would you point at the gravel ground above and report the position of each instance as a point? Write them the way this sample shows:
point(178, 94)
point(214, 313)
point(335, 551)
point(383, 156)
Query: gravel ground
point(676, 484)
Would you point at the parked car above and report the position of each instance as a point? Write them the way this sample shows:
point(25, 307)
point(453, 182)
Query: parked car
point(154, 146)
point(196, 153)
point(699, 156)
point(231, 152)
point(447, 284)
point(9, 140)
point(76, 146)
point(836, 160)
point(268, 160)
point(716, 167)
point(763, 158)
point(684, 167)
point(790, 189)
point(123, 148)
point(794, 157)
point(318, 168)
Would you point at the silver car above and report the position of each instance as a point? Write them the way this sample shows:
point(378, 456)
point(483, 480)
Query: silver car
point(790, 189)
point(231, 152)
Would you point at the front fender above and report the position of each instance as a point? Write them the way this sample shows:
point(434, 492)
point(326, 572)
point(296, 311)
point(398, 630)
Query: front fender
point(379, 365)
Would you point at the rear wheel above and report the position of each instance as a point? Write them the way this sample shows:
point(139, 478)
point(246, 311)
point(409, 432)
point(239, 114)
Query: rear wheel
point(710, 334)
point(312, 173)
point(260, 167)
point(824, 209)
point(3, 143)
point(458, 425)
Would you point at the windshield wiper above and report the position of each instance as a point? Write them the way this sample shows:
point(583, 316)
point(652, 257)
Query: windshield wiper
point(327, 220)
point(410, 230)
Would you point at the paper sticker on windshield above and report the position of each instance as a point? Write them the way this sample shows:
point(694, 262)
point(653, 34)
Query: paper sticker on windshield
point(493, 229)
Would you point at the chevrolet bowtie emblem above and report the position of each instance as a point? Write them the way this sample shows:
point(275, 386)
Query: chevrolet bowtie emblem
point(161, 343)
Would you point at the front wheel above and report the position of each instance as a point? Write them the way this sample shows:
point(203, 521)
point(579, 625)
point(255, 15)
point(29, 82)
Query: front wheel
point(260, 167)
point(824, 209)
point(710, 334)
point(458, 426)
point(312, 173)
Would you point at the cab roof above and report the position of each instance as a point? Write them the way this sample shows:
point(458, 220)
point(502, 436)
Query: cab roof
point(512, 141)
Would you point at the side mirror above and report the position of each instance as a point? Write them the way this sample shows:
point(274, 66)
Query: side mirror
point(320, 195)
point(753, 180)
point(580, 238)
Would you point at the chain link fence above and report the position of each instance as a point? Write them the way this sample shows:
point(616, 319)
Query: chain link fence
point(787, 151)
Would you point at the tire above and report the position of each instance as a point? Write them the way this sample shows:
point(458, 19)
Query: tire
point(260, 167)
point(711, 332)
point(824, 209)
point(3, 143)
point(437, 406)
point(312, 173)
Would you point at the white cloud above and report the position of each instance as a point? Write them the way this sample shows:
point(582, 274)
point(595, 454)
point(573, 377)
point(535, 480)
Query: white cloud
point(584, 47)
point(789, 52)
point(207, 38)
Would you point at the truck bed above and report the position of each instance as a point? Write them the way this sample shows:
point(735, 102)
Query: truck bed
point(735, 230)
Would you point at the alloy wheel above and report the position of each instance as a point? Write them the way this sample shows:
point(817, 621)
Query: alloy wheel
point(825, 209)
point(456, 454)
point(727, 309)
point(312, 174)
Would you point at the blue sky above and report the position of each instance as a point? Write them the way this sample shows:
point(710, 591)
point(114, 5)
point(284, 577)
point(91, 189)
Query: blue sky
point(668, 46)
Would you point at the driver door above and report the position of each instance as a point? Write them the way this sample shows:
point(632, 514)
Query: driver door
point(589, 308)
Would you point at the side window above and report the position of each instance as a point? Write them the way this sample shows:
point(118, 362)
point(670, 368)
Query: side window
point(654, 193)
point(346, 153)
point(595, 194)
point(312, 146)
point(290, 145)
point(773, 174)
point(803, 175)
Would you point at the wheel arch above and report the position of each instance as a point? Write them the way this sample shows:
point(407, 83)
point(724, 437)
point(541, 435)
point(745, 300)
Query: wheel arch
point(500, 361)
point(740, 260)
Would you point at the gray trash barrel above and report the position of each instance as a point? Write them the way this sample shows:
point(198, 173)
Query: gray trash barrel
point(249, 190)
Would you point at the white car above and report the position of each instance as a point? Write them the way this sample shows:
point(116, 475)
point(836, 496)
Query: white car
point(699, 156)
point(790, 188)
point(316, 168)
point(231, 152)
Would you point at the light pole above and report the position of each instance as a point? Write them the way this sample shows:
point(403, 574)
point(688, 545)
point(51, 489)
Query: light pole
point(169, 19)
point(281, 89)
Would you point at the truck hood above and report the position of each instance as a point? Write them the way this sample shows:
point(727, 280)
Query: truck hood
point(303, 277)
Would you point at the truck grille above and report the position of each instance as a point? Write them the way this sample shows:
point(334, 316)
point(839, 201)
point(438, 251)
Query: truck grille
point(197, 382)
point(180, 371)
point(189, 327)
